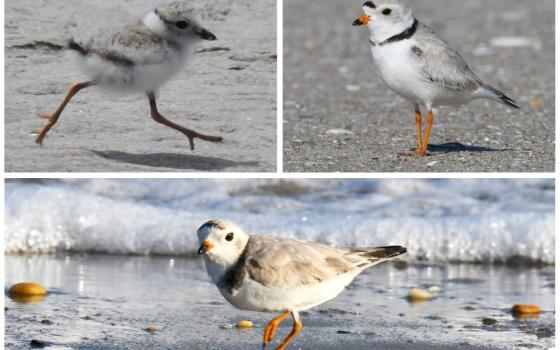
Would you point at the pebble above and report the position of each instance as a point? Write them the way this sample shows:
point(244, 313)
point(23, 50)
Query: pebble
point(434, 289)
point(417, 294)
point(525, 309)
point(338, 132)
point(46, 322)
point(544, 333)
point(244, 324)
point(511, 41)
point(489, 321)
point(353, 88)
point(27, 288)
point(227, 326)
point(151, 329)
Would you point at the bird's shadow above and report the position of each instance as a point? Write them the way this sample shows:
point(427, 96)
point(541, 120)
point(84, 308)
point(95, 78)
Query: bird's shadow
point(459, 147)
point(172, 160)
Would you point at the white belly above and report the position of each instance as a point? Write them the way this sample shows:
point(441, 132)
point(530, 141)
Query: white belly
point(402, 74)
point(253, 296)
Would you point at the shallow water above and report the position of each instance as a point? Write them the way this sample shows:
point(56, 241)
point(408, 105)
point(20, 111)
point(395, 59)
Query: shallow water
point(106, 302)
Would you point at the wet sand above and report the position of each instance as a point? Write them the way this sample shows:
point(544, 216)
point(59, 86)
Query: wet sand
point(107, 302)
point(228, 89)
point(340, 116)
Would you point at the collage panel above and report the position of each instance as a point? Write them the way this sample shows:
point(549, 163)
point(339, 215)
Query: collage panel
point(189, 86)
point(207, 264)
point(359, 77)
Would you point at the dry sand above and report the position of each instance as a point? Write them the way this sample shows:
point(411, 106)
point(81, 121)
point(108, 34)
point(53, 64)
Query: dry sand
point(228, 90)
point(330, 83)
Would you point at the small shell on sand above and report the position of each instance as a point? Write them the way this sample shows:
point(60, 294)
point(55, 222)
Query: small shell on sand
point(27, 288)
point(244, 324)
point(151, 329)
point(521, 310)
point(417, 294)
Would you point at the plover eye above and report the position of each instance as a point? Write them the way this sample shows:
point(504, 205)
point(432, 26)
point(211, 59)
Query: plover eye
point(229, 237)
point(182, 24)
point(386, 12)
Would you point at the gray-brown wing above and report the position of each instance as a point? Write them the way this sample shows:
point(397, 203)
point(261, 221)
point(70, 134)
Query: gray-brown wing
point(134, 44)
point(288, 263)
point(440, 63)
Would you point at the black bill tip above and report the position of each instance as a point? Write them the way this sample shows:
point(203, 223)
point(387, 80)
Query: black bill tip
point(357, 22)
point(201, 250)
point(206, 35)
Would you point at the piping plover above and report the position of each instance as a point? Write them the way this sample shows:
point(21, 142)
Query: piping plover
point(419, 65)
point(139, 58)
point(270, 274)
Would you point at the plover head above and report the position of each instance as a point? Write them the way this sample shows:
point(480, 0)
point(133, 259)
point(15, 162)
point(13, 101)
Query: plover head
point(222, 241)
point(386, 18)
point(177, 23)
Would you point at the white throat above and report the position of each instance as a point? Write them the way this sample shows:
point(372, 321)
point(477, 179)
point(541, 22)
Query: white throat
point(156, 25)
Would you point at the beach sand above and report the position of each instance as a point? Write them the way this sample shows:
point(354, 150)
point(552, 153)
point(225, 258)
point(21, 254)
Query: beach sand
point(228, 89)
point(340, 116)
point(107, 302)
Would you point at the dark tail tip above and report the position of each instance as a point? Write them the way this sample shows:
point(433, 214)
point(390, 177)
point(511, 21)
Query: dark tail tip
point(384, 252)
point(508, 101)
point(503, 98)
point(72, 45)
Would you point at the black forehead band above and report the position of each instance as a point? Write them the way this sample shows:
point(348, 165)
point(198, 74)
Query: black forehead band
point(369, 4)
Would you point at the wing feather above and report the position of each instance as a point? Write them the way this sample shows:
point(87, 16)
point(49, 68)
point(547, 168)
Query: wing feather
point(440, 63)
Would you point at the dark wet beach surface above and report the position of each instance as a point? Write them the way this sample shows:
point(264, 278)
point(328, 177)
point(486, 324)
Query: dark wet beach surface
point(107, 302)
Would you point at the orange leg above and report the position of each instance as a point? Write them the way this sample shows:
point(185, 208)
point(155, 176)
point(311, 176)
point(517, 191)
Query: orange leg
point(419, 127)
point(295, 330)
point(418, 151)
point(430, 122)
point(53, 118)
point(190, 134)
point(270, 329)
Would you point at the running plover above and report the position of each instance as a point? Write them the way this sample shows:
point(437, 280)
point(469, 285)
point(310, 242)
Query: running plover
point(139, 58)
point(419, 65)
point(270, 274)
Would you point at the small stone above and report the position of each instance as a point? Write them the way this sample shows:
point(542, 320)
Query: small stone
point(434, 289)
point(151, 329)
point(35, 343)
point(536, 102)
point(525, 309)
point(543, 333)
point(353, 88)
point(489, 321)
point(244, 324)
point(227, 326)
point(46, 322)
point(417, 294)
point(27, 288)
point(340, 132)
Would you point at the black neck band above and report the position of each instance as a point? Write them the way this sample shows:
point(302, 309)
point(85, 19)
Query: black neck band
point(407, 34)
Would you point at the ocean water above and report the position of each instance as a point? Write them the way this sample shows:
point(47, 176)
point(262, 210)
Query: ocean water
point(448, 220)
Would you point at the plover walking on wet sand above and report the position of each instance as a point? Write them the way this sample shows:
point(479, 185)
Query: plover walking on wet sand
point(419, 65)
point(139, 58)
point(270, 274)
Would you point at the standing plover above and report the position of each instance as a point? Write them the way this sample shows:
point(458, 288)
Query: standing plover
point(269, 274)
point(139, 58)
point(419, 65)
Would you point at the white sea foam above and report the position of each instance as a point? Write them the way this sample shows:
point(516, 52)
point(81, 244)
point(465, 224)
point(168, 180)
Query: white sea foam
point(438, 220)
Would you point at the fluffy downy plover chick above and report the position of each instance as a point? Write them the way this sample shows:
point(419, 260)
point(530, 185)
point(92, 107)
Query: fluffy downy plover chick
point(419, 65)
point(272, 274)
point(139, 58)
